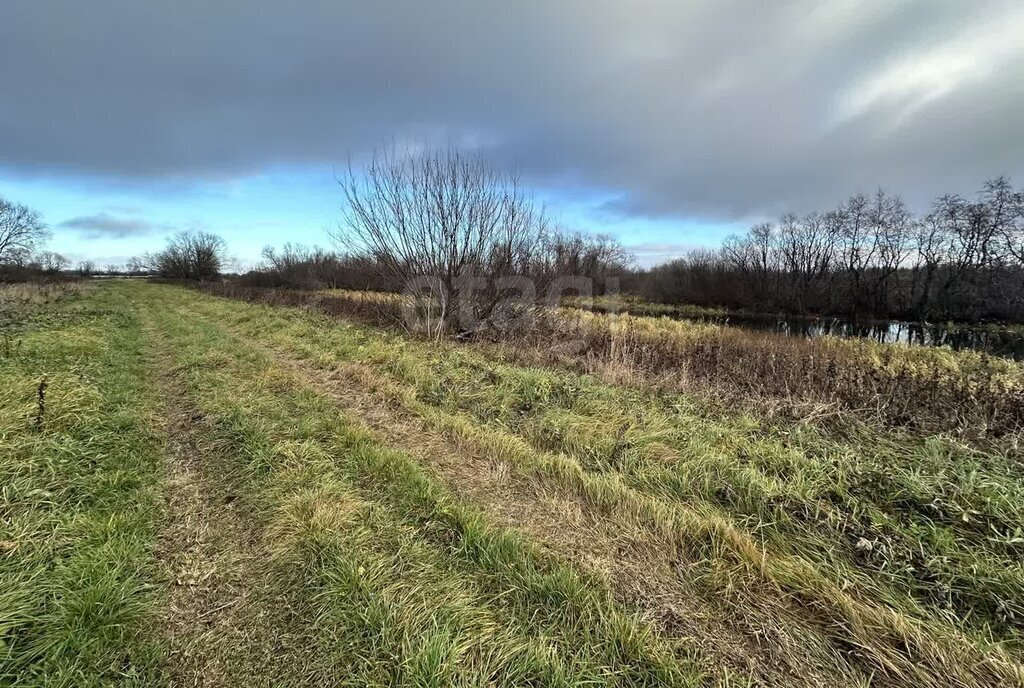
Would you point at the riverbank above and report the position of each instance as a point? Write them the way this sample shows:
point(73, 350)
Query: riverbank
point(998, 339)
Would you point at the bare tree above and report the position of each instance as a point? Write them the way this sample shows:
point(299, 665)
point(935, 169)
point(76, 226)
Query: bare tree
point(755, 256)
point(51, 262)
point(807, 246)
point(86, 268)
point(595, 257)
point(1006, 215)
point(451, 227)
point(137, 265)
point(893, 228)
point(190, 255)
point(857, 247)
point(931, 252)
point(21, 230)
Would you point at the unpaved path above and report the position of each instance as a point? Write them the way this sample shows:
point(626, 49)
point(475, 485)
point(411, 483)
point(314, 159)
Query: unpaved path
point(225, 622)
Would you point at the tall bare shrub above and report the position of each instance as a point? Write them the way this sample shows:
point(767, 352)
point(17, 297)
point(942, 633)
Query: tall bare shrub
point(459, 233)
point(190, 255)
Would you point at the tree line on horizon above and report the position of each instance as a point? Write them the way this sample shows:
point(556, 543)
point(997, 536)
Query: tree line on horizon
point(461, 221)
point(869, 257)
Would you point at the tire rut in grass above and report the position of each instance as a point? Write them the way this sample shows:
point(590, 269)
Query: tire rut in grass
point(224, 624)
point(206, 550)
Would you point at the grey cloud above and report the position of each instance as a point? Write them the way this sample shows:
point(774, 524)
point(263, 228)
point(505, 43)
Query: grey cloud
point(105, 225)
point(720, 109)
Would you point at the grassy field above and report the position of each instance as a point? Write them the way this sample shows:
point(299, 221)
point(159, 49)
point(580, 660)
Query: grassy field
point(197, 490)
point(827, 381)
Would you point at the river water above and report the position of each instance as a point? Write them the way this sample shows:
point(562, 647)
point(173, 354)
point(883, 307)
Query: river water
point(1000, 341)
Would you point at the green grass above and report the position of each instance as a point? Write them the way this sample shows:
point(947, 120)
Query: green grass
point(891, 540)
point(861, 556)
point(405, 584)
point(78, 503)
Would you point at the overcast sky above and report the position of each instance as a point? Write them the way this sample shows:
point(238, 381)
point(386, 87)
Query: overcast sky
point(667, 123)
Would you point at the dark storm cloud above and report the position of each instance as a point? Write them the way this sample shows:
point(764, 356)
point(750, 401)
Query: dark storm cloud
point(721, 109)
point(105, 225)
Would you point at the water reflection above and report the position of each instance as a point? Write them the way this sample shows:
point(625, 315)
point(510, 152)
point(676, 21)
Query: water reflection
point(994, 340)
